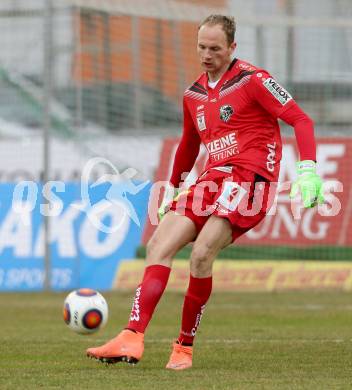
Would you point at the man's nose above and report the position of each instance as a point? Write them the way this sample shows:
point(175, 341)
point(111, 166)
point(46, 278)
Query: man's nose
point(207, 54)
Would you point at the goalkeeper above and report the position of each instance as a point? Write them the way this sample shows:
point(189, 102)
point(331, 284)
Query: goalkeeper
point(233, 109)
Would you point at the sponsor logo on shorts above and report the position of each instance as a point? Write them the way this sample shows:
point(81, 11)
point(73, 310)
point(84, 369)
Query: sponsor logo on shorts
point(230, 197)
point(277, 90)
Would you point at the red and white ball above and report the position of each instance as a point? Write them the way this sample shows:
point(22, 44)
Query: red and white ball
point(85, 311)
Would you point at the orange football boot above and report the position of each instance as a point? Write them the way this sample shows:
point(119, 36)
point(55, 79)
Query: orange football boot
point(127, 346)
point(181, 357)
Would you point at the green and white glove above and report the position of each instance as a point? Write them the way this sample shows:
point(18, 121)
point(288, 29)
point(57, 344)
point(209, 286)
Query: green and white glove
point(169, 195)
point(309, 184)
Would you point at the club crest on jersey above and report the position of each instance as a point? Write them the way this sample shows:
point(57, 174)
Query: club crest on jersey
point(226, 112)
point(275, 89)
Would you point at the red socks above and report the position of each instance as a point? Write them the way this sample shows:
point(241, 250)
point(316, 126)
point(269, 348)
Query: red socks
point(151, 289)
point(197, 295)
point(147, 296)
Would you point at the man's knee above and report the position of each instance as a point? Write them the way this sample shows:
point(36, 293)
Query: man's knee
point(151, 246)
point(157, 252)
point(201, 260)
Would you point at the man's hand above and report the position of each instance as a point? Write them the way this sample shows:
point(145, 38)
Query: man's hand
point(309, 184)
point(170, 193)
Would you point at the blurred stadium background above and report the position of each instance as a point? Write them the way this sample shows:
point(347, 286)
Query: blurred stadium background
point(82, 79)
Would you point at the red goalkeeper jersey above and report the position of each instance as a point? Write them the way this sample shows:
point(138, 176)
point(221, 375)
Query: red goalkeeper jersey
point(237, 121)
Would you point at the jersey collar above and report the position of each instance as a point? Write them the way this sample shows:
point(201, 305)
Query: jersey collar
point(223, 77)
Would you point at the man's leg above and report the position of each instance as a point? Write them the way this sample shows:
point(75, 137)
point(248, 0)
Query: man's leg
point(173, 233)
point(215, 235)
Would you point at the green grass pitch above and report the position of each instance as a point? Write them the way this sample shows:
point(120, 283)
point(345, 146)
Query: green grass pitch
point(295, 340)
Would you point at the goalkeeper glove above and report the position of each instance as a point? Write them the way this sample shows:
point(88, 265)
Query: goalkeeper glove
point(169, 195)
point(309, 184)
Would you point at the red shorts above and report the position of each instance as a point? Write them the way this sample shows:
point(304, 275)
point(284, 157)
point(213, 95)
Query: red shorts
point(235, 193)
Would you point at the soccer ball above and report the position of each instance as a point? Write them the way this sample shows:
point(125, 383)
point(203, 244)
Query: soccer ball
point(85, 311)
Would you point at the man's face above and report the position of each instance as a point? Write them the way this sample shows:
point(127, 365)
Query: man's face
point(213, 49)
